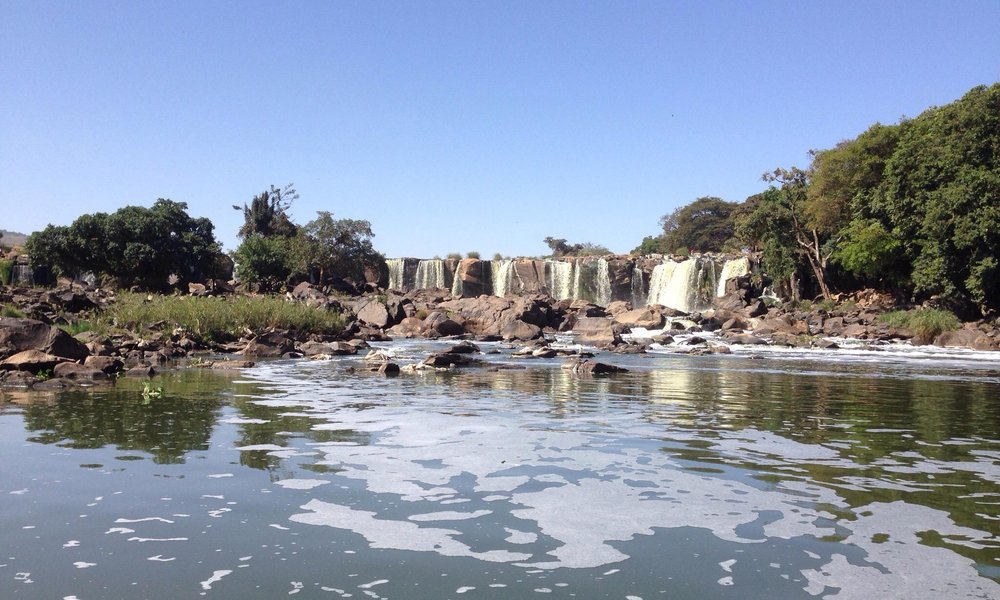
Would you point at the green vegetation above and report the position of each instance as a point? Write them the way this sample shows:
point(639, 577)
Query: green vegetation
point(215, 319)
point(560, 247)
point(77, 327)
point(275, 251)
point(472, 254)
point(6, 271)
point(912, 209)
point(9, 310)
point(133, 246)
point(926, 323)
point(454, 256)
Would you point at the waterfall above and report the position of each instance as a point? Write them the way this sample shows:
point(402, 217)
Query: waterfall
point(22, 275)
point(503, 277)
point(456, 284)
point(560, 279)
point(683, 286)
point(638, 298)
point(602, 284)
point(659, 281)
point(431, 274)
point(396, 267)
point(736, 267)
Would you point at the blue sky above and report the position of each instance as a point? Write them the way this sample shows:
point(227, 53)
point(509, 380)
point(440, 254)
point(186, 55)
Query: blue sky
point(456, 126)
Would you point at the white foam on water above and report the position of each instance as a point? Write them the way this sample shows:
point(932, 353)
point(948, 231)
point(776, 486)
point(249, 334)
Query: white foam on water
point(520, 537)
point(465, 588)
point(160, 558)
point(371, 584)
point(301, 484)
point(220, 475)
point(71, 544)
point(84, 565)
point(119, 530)
point(142, 539)
point(449, 515)
point(215, 578)
point(143, 519)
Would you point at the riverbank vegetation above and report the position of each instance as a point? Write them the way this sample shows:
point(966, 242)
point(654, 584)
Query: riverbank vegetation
point(912, 209)
point(214, 319)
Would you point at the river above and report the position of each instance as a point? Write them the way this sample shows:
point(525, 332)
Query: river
point(807, 474)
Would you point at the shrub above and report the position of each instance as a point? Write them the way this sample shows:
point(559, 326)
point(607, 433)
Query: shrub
point(926, 323)
point(218, 319)
point(6, 271)
point(472, 254)
point(454, 256)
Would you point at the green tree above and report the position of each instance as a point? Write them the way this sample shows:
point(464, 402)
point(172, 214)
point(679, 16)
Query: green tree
point(264, 263)
point(705, 225)
point(764, 223)
point(267, 213)
point(560, 247)
point(340, 248)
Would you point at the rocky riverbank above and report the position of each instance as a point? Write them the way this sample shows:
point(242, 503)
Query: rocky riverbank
point(37, 350)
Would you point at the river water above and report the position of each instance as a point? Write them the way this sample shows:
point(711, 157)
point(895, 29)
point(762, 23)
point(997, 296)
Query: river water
point(766, 475)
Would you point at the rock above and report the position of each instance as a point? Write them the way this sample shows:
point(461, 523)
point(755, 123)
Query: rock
point(375, 313)
point(445, 359)
point(618, 307)
point(471, 273)
point(755, 309)
point(17, 379)
point(591, 367)
point(463, 347)
point(33, 361)
point(377, 356)
point(197, 289)
point(269, 345)
point(18, 335)
point(965, 338)
point(312, 348)
point(437, 324)
point(388, 368)
point(646, 318)
point(745, 339)
point(663, 338)
point(141, 371)
point(72, 370)
point(834, 326)
point(519, 330)
point(597, 331)
point(230, 365)
point(719, 349)
point(694, 340)
point(544, 353)
point(854, 330)
point(105, 364)
point(408, 327)
point(826, 344)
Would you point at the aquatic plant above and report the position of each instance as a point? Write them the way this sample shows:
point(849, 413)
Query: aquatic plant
point(925, 323)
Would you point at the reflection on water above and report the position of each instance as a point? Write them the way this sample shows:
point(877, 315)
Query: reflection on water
point(687, 477)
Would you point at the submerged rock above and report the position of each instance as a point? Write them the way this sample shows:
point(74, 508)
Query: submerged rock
point(591, 367)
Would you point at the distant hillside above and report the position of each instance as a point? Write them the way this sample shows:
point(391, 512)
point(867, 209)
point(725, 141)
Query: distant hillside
point(12, 238)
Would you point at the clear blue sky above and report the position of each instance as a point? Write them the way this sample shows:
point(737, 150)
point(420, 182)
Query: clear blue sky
point(456, 126)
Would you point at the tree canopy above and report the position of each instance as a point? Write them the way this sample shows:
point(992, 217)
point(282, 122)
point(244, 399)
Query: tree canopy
point(133, 245)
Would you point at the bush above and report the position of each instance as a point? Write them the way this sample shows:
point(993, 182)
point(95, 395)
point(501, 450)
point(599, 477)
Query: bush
point(926, 323)
point(6, 271)
point(454, 256)
point(472, 254)
point(218, 319)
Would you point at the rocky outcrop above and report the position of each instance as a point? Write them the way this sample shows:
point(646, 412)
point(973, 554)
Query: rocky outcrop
point(17, 335)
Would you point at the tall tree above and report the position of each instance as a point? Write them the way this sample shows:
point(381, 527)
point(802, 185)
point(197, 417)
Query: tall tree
point(267, 213)
point(340, 247)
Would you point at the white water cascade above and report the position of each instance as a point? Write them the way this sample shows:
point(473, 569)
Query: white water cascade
point(736, 267)
point(503, 277)
point(682, 286)
point(638, 298)
point(396, 273)
point(431, 274)
point(561, 279)
point(602, 282)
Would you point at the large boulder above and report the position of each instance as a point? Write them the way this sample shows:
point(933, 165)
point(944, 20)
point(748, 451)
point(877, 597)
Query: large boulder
point(647, 318)
point(438, 324)
point(600, 331)
point(32, 361)
point(966, 338)
point(373, 312)
point(72, 370)
point(519, 330)
point(408, 327)
point(591, 367)
point(489, 315)
point(472, 277)
point(18, 335)
point(269, 345)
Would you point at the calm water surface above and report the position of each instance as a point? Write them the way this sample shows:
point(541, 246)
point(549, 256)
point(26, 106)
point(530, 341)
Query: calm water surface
point(798, 475)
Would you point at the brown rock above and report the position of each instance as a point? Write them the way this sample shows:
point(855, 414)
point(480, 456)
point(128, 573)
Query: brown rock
point(646, 318)
point(965, 338)
point(72, 370)
point(32, 361)
point(519, 330)
point(446, 359)
point(228, 365)
point(408, 327)
point(269, 345)
point(312, 348)
point(375, 313)
point(591, 367)
point(26, 334)
point(105, 364)
point(596, 330)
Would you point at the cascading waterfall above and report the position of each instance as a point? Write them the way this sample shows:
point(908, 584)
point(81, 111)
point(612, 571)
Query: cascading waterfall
point(602, 281)
point(431, 274)
point(736, 267)
point(638, 298)
point(683, 286)
point(456, 285)
point(503, 277)
point(560, 279)
point(396, 277)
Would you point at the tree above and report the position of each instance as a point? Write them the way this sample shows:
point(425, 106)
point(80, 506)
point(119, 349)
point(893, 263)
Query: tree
point(340, 247)
point(764, 223)
point(134, 246)
point(560, 247)
point(704, 225)
point(267, 213)
point(263, 262)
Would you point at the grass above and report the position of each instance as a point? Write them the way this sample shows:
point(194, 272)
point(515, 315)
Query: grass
point(77, 327)
point(11, 311)
point(216, 319)
point(926, 323)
